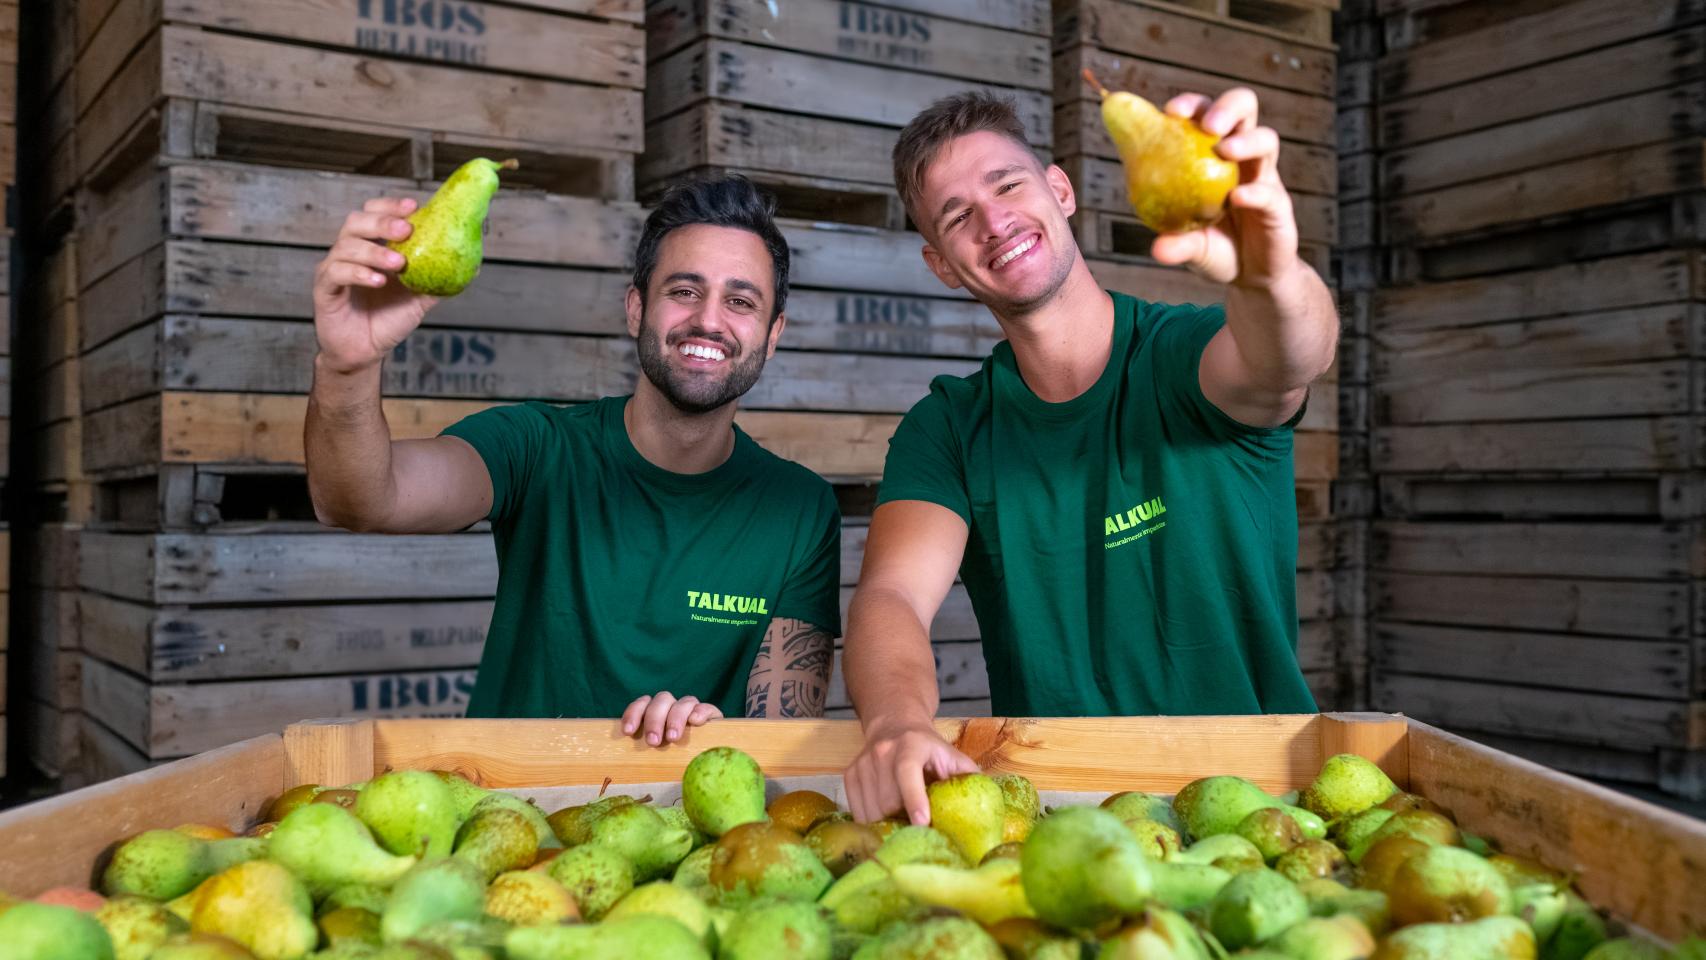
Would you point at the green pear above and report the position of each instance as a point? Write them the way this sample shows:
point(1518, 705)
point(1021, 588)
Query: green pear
point(1136, 805)
point(721, 789)
point(866, 900)
point(547, 838)
point(640, 833)
point(209, 946)
point(1254, 906)
point(1082, 867)
point(800, 810)
point(676, 817)
point(1157, 934)
point(843, 844)
point(467, 793)
point(1229, 851)
point(350, 925)
point(1215, 805)
point(694, 873)
point(970, 809)
point(42, 931)
point(760, 859)
point(525, 897)
point(361, 895)
point(665, 899)
point(165, 864)
point(1324, 938)
point(1271, 830)
point(1020, 795)
point(410, 812)
point(1007, 851)
point(645, 935)
point(939, 938)
point(1347, 785)
point(1310, 859)
point(444, 251)
point(261, 906)
point(497, 840)
point(1353, 833)
point(1424, 825)
point(1313, 827)
point(434, 890)
point(1330, 898)
point(1580, 929)
point(327, 847)
point(1174, 178)
point(1628, 948)
point(915, 844)
point(291, 799)
point(1026, 939)
point(1541, 905)
point(989, 894)
point(1187, 886)
point(595, 876)
point(1157, 840)
point(136, 925)
point(784, 928)
point(1490, 938)
point(1447, 885)
point(573, 825)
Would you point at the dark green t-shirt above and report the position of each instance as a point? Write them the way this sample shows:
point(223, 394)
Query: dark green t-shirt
point(1133, 550)
point(617, 578)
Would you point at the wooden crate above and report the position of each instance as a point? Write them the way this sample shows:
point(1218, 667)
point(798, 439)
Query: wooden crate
point(1638, 861)
point(809, 103)
point(383, 88)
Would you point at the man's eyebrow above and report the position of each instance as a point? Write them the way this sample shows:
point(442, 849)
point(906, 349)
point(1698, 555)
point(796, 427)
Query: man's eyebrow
point(686, 275)
point(990, 177)
point(736, 283)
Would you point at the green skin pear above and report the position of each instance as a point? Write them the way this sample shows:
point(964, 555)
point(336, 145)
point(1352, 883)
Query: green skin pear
point(1490, 938)
point(445, 248)
point(1354, 834)
point(595, 876)
point(1136, 805)
point(1310, 859)
point(646, 935)
point(1542, 905)
point(327, 847)
point(467, 793)
point(939, 938)
point(1020, 795)
point(1347, 785)
point(1314, 828)
point(1157, 840)
point(524, 897)
point(1254, 906)
point(1271, 830)
point(665, 899)
point(677, 817)
point(497, 840)
point(573, 825)
point(41, 931)
point(1325, 938)
point(1024, 939)
point(1157, 935)
point(1330, 898)
point(410, 812)
point(843, 844)
point(137, 925)
point(1580, 929)
point(915, 844)
point(1215, 805)
point(721, 789)
point(1187, 886)
point(1224, 847)
point(166, 864)
point(989, 894)
point(1082, 867)
point(261, 906)
point(694, 873)
point(1447, 885)
point(866, 899)
point(360, 895)
point(970, 809)
point(1628, 948)
point(757, 860)
point(433, 891)
point(1428, 827)
point(350, 925)
point(640, 833)
point(784, 928)
point(547, 838)
point(208, 946)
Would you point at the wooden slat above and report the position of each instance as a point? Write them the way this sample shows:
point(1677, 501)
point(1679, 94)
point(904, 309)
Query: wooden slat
point(1596, 550)
point(1631, 722)
point(329, 752)
point(1540, 393)
point(1558, 344)
point(1589, 664)
point(1601, 285)
point(1189, 38)
point(717, 134)
point(1602, 445)
point(1663, 496)
point(1614, 608)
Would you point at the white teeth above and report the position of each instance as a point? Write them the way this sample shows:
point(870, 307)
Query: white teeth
point(701, 352)
point(1016, 252)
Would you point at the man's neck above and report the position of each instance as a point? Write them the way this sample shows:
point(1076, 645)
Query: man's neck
point(676, 441)
point(1063, 346)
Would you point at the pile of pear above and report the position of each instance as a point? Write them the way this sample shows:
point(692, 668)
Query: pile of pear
point(415, 865)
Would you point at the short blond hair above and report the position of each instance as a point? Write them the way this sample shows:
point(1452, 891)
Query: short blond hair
point(946, 119)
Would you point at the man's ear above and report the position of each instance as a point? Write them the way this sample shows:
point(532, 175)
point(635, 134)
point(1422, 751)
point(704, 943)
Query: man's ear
point(776, 326)
point(636, 310)
point(1061, 185)
point(943, 270)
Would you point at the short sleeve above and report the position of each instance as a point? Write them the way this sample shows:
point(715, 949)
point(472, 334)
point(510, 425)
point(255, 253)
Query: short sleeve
point(811, 591)
point(1179, 335)
point(924, 461)
point(510, 439)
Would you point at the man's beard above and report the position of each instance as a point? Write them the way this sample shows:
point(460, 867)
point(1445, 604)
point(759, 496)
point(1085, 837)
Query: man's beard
point(695, 394)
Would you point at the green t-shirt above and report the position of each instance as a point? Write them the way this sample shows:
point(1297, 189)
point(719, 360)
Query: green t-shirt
point(617, 578)
point(1133, 550)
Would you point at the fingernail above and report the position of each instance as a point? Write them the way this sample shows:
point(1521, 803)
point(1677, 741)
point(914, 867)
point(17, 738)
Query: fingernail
point(627, 728)
point(395, 258)
point(376, 278)
point(673, 734)
point(652, 739)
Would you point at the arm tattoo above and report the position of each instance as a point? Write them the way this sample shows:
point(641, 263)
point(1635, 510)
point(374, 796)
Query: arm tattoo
point(790, 676)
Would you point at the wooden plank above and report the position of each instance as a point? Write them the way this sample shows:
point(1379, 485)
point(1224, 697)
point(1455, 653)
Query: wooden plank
point(1603, 285)
point(53, 737)
point(908, 40)
point(1618, 124)
point(1610, 390)
point(1566, 605)
point(713, 133)
point(104, 755)
point(1563, 343)
point(1315, 456)
point(1664, 496)
point(1630, 857)
point(1604, 445)
point(1635, 551)
point(1583, 760)
point(1639, 668)
point(228, 787)
point(1630, 722)
point(1558, 188)
point(1188, 38)
point(328, 751)
point(1524, 41)
point(1559, 86)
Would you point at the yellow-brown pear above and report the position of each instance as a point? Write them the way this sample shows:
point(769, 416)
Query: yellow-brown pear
point(1175, 179)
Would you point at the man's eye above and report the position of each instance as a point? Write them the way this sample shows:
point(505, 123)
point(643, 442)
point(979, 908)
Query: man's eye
point(742, 304)
point(958, 220)
point(683, 293)
point(1008, 186)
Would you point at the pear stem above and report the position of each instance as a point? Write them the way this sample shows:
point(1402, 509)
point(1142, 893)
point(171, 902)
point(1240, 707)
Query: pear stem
point(1091, 78)
point(510, 164)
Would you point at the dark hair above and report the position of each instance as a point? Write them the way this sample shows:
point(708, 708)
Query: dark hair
point(942, 121)
point(728, 201)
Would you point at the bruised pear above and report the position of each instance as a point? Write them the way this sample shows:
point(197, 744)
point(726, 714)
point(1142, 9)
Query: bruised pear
point(762, 859)
point(526, 897)
point(843, 844)
point(800, 810)
point(1447, 885)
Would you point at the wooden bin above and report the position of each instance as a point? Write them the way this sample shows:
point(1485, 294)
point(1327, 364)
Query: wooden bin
point(808, 101)
point(1644, 864)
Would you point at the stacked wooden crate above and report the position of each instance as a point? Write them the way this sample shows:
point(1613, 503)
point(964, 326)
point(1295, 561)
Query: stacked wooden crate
point(8, 177)
point(1537, 393)
point(1283, 51)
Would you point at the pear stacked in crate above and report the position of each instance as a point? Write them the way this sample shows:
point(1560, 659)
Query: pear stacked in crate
point(1537, 382)
point(1283, 51)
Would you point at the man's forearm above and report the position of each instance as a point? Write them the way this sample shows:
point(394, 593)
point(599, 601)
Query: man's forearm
point(1286, 332)
point(891, 672)
point(347, 444)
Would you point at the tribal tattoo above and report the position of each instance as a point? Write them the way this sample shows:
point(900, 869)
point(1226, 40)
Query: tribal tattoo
point(790, 675)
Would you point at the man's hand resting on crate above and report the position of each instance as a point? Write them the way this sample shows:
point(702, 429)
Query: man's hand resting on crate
point(661, 719)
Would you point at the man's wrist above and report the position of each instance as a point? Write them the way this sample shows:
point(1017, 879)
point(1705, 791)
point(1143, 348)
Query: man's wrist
point(325, 366)
point(894, 721)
